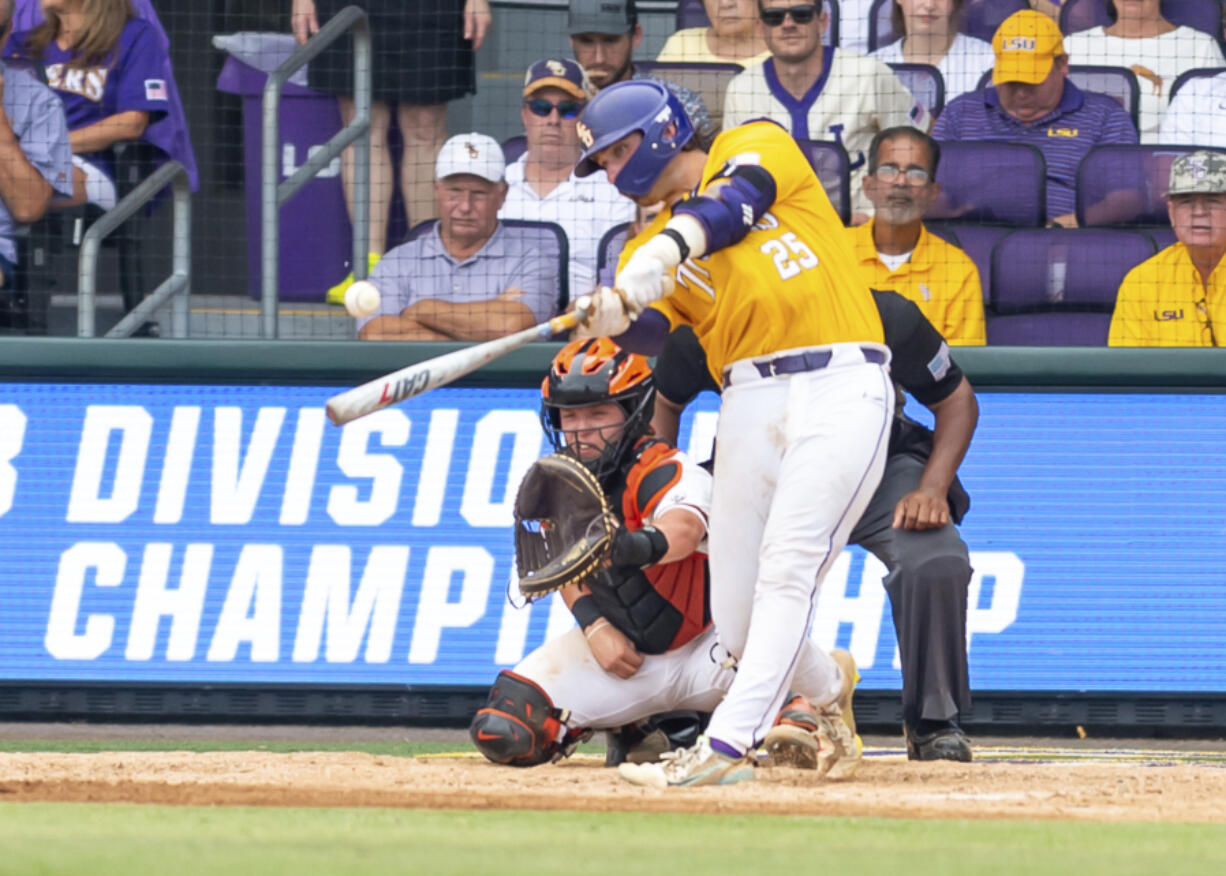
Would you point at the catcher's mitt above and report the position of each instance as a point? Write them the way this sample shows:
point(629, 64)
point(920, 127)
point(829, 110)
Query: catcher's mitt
point(563, 525)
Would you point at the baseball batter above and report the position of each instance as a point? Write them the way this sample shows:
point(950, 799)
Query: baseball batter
point(644, 642)
point(764, 277)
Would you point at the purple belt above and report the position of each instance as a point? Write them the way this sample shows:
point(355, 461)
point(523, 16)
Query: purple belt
point(812, 360)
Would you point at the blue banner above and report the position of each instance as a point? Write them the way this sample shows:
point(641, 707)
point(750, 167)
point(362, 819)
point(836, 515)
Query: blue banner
point(204, 533)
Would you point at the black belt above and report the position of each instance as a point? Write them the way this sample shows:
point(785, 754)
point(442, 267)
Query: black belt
point(796, 363)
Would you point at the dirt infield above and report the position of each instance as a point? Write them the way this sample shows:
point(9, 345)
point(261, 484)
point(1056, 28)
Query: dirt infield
point(1148, 786)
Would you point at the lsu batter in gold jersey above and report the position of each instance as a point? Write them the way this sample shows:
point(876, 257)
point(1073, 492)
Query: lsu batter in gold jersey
point(791, 282)
point(765, 274)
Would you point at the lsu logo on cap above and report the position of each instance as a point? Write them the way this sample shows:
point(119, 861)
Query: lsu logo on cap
point(556, 68)
point(585, 135)
point(473, 151)
point(1018, 44)
point(1195, 165)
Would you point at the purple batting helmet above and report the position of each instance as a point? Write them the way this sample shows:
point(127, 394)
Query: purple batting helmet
point(642, 105)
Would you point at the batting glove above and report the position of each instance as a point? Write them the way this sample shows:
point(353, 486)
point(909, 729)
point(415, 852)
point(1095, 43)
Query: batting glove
point(641, 281)
point(606, 316)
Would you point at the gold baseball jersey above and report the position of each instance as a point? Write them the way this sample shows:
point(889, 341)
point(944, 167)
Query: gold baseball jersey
point(1162, 303)
point(940, 278)
point(792, 282)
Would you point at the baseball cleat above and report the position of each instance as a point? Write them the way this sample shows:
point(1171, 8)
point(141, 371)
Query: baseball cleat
point(838, 723)
point(687, 767)
point(793, 741)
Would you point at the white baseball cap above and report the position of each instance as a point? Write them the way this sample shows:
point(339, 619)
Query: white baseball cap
point(477, 154)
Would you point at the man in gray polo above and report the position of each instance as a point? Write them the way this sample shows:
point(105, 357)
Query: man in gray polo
point(470, 278)
point(35, 156)
point(603, 37)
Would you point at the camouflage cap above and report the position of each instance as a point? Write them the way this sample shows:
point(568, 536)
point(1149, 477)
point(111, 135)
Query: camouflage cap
point(1200, 172)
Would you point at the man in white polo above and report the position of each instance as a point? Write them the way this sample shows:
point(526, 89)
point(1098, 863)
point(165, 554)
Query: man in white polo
point(541, 184)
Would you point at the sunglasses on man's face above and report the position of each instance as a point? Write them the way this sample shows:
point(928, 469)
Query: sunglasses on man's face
point(567, 109)
point(800, 14)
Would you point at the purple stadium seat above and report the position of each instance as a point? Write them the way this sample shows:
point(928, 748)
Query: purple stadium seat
point(1124, 185)
point(1195, 73)
point(690, 13)
point(980, 18)
point(977, 241)
point(513, 147)
point(925, 84)
point(547, 237)
point(1202, 15)
point(1055, 287)
point(999, 182)
point(609, 251)
point(833, 168)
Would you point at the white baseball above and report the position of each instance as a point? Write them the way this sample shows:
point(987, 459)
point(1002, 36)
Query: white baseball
point(362, 299)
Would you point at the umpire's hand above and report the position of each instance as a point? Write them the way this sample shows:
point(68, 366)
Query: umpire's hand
point(612, 650)
point(923, 508)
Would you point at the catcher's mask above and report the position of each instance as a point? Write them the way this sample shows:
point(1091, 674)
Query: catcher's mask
point(592, 371)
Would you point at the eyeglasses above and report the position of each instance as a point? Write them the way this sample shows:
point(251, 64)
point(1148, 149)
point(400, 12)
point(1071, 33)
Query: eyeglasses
point(1202, 310)
point(800, 14)
point(567, 109)
point(915, 176)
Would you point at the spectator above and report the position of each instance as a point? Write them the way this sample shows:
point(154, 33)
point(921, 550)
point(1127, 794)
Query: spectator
point(733, 37)
point(819, 92)
point(604, 35)
point(1178, 297)
point(1152, 47)
point(895, 250)
point(470, 278)
point(1197, 114)
point(35, 157)
point(107, 68)
point(422, 57)
point(1032, 102)
point(930, 36)
point(542, 185)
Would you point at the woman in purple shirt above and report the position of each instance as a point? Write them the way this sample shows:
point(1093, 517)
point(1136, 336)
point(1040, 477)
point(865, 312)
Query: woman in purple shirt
point(105, 65)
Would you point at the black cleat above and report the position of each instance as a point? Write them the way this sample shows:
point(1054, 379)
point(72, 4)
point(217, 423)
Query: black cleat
point(946, 741)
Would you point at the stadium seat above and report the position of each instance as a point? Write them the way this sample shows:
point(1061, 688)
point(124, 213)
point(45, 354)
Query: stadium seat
point(547, 237)
point(609, 251)
point(1202, 15)
point(1057, 287)
point(994, 182)
point(925, 83)
point(513, 147)
point(1188, 75)
point(980, 18)
point(977, 241)
point(1124, 185)
point(710, 81)
point(833, 168)
point(1119, 83)
point(690, 13)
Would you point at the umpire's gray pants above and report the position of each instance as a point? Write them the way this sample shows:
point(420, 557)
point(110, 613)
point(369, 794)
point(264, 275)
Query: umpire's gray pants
point(929, 573)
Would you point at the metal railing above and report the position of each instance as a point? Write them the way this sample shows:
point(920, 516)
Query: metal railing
point(175, 288)
point(274, 195)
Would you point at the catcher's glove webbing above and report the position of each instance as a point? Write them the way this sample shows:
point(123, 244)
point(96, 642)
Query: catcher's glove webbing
point(563, 525)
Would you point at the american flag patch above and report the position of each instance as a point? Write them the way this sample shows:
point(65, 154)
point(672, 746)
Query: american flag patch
point(155, 89)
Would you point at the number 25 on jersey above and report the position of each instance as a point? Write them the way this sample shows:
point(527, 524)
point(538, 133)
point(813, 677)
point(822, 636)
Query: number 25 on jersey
point(790, 255)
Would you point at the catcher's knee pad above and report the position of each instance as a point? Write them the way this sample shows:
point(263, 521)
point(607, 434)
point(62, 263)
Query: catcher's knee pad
point(519, 726)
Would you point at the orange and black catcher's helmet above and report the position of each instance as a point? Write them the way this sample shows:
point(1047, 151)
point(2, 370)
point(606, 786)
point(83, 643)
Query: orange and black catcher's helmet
point(591, 371)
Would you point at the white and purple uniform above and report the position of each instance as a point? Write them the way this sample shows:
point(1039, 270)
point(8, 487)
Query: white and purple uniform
point(130, 78)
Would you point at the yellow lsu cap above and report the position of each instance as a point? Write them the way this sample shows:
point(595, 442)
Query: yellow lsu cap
point(1026, 44)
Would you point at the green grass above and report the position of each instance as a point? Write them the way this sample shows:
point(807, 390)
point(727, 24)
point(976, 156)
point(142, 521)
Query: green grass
point(126, 840)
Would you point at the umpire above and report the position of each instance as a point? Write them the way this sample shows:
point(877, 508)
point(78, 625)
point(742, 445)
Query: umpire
point(908, 524)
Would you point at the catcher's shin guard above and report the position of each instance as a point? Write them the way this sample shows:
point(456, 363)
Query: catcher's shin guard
point(519, 726)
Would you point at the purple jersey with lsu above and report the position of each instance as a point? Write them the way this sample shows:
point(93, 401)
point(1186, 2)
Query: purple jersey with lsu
point(128, 79)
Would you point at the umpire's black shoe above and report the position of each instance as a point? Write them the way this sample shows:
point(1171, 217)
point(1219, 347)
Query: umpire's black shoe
point(937, 740)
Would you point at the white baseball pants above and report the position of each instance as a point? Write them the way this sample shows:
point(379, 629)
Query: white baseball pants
point(798, 459)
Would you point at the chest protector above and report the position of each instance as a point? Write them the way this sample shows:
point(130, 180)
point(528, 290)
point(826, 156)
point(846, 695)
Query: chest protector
point(666, 605)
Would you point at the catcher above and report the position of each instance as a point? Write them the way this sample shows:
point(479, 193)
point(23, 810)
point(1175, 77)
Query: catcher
point(627, 553)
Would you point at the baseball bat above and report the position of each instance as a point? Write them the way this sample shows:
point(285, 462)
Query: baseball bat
point(439, 371)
